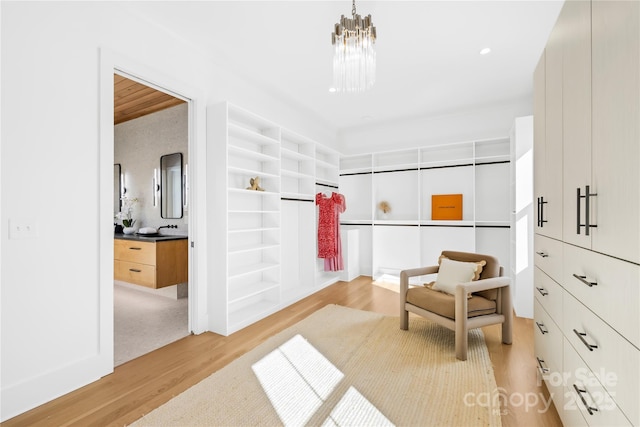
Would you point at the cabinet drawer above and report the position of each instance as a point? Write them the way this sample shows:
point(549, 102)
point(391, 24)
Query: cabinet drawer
point(132, 272)
point(133, 251)
point(547, 337)
point(615, 292)
point(604, 411)
point(549, 294)
point(614, 360)
point(548, 256)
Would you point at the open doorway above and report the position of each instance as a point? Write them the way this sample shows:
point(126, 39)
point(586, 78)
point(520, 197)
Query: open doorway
point(151, 145)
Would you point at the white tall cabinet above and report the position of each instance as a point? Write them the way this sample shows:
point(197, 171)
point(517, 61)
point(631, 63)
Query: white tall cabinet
point(265, 253)
point(587, 278)
point(407, 236)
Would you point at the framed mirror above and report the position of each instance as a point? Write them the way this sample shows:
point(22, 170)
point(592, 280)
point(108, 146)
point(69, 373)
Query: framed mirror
point(171, 186)
point(117, 188)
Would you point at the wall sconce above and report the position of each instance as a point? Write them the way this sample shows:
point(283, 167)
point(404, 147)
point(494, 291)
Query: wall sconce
point(123, 189)
point(156, 186)
point(185, 183)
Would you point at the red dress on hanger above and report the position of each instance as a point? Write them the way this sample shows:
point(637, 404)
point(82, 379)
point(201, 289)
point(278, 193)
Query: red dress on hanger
point(329, 244)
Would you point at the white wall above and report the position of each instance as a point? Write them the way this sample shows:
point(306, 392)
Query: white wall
point(482, 122)
point(52, 284)
point(139, 144)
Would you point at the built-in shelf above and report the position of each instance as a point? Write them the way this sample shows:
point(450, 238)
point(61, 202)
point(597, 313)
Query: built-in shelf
point(252, 172)
point(266, 251)
point(250, 269)
point(251, 290)
point(253, 230)
point(407, 179)
point(251, 248)
point(445, 223)
point(253, 192)
point(295, 174)
point(294, 155)
point(245, 134)
point(251, 154)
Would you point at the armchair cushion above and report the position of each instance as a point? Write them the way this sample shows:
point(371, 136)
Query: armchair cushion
point(451, 273)
point(445, 305)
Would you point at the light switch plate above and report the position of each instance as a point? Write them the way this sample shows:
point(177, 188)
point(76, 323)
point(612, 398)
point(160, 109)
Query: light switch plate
point(23, 229)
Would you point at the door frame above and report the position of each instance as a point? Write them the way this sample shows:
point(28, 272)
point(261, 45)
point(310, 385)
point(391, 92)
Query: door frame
point(112, 63)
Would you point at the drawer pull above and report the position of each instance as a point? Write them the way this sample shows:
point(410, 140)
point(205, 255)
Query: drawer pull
point(135, 270)
point(543, 291)
point(584, 341)
point(136, 249)
point(584, 401)
point(543, 370)
point(584, 280)
point(540, 326)
point(543, 254)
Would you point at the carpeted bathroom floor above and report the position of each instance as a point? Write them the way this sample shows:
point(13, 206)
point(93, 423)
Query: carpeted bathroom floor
point(144, 322)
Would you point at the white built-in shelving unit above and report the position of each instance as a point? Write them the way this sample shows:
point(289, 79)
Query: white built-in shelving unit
point(408, 237)
point(265, 258)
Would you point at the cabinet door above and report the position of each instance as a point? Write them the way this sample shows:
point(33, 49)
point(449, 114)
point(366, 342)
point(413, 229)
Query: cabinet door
point(576, 111)
point(616, 128)
point(539, 136)
point(553, 136)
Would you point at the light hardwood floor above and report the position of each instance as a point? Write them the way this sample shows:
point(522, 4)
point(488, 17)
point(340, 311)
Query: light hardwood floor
point(137, 387)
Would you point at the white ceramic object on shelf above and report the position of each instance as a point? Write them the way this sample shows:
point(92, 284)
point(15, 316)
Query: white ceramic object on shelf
point(128, 230)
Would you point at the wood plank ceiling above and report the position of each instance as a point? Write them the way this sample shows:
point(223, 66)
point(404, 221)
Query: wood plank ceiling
point(132, 100)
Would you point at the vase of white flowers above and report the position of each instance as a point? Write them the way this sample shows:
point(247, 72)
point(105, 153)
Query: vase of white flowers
point(126, 214)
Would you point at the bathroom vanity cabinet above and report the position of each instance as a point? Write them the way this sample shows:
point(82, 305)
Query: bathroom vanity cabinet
point(154, 262)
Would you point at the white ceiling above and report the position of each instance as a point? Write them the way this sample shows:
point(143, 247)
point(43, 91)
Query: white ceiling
point(428, 60)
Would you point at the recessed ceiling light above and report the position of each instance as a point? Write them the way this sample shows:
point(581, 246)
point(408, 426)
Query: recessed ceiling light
point(332, 89)
point(367, 117)
point(485, 51)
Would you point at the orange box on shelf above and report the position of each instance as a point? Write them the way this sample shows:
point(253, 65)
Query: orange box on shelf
point(446, 207)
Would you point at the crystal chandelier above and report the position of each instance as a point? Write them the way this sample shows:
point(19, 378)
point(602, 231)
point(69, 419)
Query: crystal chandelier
point(354, 57)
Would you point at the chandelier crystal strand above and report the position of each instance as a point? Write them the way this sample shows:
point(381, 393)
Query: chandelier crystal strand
point(354, 57)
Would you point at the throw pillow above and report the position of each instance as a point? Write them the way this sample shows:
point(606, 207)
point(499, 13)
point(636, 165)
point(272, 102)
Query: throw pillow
point(451, 273)
point(482, 263)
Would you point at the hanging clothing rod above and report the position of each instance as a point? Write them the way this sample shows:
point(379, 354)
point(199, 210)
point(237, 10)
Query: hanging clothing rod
point(291, 199)
point(327, 185)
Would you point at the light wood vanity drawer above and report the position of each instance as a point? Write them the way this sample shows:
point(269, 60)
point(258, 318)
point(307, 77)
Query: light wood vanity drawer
point(548, 256)
point(607, 286)
point(134, 251)
point(140, 274)
point(613, 359)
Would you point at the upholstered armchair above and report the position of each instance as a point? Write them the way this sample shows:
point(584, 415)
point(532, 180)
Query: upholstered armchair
point(469, 293)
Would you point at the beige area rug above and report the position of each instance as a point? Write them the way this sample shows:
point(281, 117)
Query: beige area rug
point(342, 367)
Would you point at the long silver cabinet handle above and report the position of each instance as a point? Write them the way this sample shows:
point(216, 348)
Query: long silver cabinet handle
point(590, 409)
point(581, 335)
point(584, 280)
